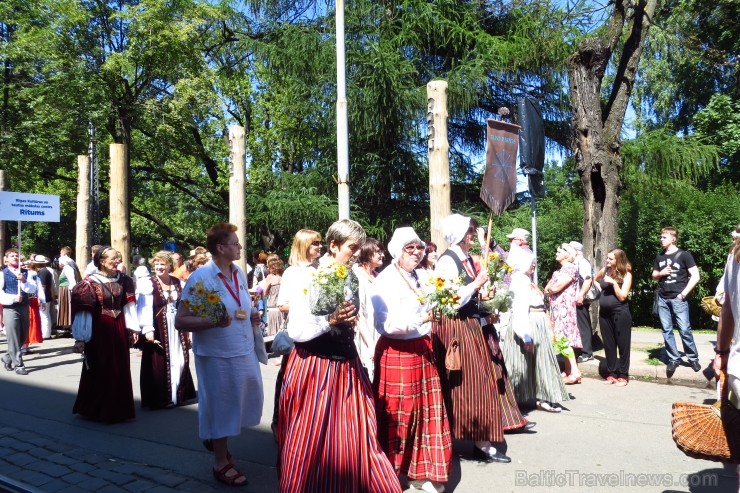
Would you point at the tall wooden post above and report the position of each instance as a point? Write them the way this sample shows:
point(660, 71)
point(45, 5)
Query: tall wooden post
point(120, 232)
point(3, 236)
point(439, 159)
point(82, 239)
point(237, 204)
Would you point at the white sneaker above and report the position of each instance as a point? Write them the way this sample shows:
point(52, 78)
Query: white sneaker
point(428, 486)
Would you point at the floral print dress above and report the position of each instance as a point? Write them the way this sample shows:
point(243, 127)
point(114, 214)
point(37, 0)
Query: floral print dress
point(563, 306)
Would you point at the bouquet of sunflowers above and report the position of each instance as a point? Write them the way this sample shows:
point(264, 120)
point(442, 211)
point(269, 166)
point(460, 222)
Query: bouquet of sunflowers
point(205, 303)
point(331, 285)
point(497, 267)
point(443, 297)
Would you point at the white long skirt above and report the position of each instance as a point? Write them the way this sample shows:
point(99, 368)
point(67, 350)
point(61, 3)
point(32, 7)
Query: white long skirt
point(230, 395)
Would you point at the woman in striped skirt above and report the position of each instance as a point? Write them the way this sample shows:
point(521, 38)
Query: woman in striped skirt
point(527, 345)
point(412, 422)
point(473, 405)
point(327, 430)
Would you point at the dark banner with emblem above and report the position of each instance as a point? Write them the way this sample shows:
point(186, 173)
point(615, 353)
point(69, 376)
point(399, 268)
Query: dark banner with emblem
point(499, 181)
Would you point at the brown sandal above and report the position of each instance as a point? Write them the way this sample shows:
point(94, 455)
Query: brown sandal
point(208, 444)
point(234, 480)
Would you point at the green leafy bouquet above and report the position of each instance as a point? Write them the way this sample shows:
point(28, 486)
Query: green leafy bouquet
point(332, 284)
point(561, 345)
point(500, 303)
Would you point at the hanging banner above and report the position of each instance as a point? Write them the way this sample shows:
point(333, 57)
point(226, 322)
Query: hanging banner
point(499, 181)
point(15, 206)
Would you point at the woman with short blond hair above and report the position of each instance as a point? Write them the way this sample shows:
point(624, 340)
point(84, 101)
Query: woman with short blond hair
point(165, 377)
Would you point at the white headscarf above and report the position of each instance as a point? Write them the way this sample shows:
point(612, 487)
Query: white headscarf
point(454, 228)
point(401, 238)
point(521, 261)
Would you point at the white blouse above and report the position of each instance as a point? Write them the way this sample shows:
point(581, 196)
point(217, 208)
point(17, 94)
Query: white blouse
point(447, 269)
point(398, 311)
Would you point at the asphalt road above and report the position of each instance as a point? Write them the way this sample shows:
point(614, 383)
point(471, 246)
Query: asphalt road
point(608, 439)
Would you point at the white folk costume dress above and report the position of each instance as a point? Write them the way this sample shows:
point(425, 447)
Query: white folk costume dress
point(327, 430)
point(230, 392)
point(536, 374)
point(412, 422)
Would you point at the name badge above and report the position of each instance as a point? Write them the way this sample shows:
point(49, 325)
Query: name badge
point(241, 315)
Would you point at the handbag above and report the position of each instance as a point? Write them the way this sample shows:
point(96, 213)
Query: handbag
point(594, 292)
point(282, 344)
point(452, 358)
point(259, 344)
point(656, 304)
point(709, 432)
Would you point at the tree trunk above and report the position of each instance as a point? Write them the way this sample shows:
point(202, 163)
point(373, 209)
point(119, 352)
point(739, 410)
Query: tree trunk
point(597, 124)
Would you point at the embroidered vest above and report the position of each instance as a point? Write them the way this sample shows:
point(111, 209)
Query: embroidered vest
point(11, 287)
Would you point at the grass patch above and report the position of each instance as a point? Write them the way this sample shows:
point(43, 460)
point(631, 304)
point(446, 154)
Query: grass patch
point(653, 355)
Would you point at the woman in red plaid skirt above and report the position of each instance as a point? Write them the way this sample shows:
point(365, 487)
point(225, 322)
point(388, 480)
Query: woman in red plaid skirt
point(327, 430)
point(412, 422)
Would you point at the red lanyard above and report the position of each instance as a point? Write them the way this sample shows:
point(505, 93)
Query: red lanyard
point(233, 294)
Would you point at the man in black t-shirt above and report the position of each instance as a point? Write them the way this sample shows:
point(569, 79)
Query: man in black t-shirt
point(677, 275)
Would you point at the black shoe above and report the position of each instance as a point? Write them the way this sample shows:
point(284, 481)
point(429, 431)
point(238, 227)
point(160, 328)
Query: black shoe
point(8, 365)
point(695, 365)
point(21, 370)
point(500, 457)
point(583, 358)
point(481, 456)
point(671, 368)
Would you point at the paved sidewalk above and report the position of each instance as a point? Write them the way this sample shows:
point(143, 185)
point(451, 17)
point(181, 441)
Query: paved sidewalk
point(647, 360)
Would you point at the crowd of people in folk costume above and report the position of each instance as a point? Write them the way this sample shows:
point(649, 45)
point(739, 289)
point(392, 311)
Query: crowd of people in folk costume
point(368, 397)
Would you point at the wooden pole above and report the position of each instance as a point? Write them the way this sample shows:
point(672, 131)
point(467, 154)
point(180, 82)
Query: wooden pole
point(237, 204)
point(120, 231)
point(439, 160)
point(3, 236)
point(82, 239)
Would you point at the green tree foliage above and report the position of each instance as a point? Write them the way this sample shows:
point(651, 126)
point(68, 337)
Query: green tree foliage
point(704, 220)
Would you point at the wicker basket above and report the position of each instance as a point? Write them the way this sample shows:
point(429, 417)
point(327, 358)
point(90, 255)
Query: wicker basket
point(709, 432)
point(710, 305)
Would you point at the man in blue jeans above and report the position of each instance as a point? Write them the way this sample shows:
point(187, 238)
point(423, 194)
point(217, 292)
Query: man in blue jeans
point(677, 275)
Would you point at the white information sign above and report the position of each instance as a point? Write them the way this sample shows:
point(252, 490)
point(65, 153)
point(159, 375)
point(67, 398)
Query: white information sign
point(15, 206)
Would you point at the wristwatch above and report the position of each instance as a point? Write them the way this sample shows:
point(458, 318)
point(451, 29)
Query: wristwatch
point(681, 297)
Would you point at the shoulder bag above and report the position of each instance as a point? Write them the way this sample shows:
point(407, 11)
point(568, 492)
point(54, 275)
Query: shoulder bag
point(452, 358)
point(282, 344)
